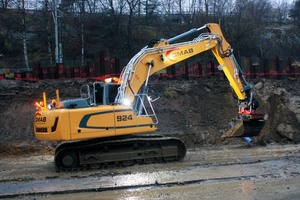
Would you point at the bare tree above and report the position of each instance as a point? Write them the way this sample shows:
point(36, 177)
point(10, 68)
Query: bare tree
point(115, 9)
point(46, 13)
point(92, 6)
point(4, 4)
point(180, 6)
point(150, 6)
point(21, 7)
point(281, 11)
point(295, 12)
point(132, 6)
point(206, 9)
point(167, 6)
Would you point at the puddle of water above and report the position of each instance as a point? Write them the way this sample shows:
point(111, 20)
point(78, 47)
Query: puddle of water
point(136, 179)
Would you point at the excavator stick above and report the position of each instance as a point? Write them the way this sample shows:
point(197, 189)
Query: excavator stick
point(245, 127)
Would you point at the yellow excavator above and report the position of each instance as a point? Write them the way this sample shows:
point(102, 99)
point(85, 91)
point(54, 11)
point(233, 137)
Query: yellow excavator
point(110, 123)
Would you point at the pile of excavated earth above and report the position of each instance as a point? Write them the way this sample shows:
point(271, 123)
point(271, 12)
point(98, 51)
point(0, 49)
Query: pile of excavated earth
point(197, 111)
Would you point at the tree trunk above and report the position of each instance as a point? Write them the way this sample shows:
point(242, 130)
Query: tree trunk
point(24, 35)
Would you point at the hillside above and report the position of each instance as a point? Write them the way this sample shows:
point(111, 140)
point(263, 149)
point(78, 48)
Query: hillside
point(196, 111)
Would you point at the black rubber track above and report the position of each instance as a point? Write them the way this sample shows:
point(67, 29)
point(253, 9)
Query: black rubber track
point(118, 151)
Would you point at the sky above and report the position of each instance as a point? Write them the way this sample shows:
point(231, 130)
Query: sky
point(280, 1)
point(288, 1)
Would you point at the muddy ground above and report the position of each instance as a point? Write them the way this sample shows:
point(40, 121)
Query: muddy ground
point(197, 111)
point(225, 172)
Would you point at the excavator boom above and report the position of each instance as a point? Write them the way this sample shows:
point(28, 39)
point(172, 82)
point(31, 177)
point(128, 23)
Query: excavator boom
point(164, 54)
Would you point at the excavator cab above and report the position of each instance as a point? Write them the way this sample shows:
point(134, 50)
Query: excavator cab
point(100, 93)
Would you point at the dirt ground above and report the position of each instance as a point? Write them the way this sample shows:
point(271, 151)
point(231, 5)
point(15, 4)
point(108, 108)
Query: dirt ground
point(197, 111)
point(226, 172)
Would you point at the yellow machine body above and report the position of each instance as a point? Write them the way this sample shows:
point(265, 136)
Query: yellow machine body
point(92, 122)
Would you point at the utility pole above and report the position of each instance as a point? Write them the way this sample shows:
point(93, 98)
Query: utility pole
point(58, 40)
point(82, 13)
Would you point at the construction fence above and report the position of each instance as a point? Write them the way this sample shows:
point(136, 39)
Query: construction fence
point(104, 66)
point(251, 67)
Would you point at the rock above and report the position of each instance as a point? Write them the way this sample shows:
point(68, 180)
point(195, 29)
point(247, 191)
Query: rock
point(207, 89)
point(259, 86)
point(8, 84)
point(287, 131)
point(291, 79)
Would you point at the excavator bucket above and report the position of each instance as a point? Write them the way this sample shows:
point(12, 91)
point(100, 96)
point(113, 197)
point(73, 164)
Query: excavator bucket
point(244, 128)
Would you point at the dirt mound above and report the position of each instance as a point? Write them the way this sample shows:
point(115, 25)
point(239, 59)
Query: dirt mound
point(196, 111)
point(281, 102)
point(199, 111)
point(26, 147)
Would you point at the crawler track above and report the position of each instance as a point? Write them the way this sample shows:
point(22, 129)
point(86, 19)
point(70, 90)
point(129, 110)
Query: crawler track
point(124, 151)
